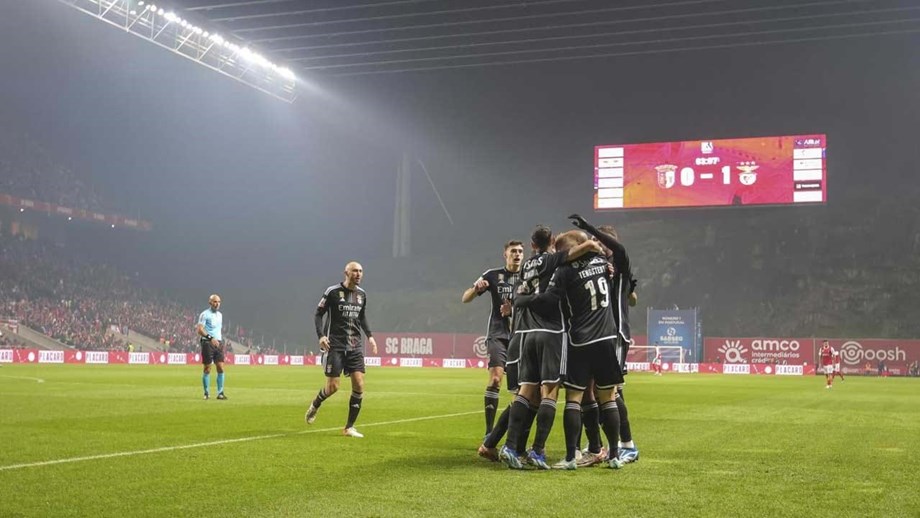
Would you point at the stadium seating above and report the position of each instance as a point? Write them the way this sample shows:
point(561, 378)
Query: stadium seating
point(29, 171)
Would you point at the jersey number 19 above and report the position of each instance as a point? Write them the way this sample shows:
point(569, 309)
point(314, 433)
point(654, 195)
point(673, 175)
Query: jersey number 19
point(598, 294)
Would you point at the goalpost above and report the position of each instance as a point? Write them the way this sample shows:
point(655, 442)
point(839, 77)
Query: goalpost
point(647, 353)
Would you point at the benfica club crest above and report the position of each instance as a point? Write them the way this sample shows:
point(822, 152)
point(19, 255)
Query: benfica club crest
point(360, 298)
point(666, 175)
point(748, 174)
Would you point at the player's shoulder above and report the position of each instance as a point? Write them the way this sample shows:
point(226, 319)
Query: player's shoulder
point(360, 290)
point(491, 272)
point(551, 259)
point(330, 289)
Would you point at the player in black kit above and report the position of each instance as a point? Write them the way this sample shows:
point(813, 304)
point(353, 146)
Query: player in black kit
point(542, 343)
point(499, 283)
point(625, 292)
point(582, 287)
point(340, 319)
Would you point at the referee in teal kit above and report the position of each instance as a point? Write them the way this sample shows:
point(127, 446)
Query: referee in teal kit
point(210, 322)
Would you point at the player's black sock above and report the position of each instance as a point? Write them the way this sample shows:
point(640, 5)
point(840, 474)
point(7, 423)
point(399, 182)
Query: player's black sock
point(320, 398)
point(528, 425)
point(354, 408)
point(611, 417)
point(491, 406)
point(501, 426)
point(545, 417)
point(589, 416)
point(625, 431)
point(517, 416)
point(571, 421)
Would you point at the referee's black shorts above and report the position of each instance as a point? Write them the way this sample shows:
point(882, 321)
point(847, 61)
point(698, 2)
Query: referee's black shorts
point(211, 354)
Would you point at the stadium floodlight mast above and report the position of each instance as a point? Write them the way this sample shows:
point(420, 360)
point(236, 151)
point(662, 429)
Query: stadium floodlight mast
point(165, 28)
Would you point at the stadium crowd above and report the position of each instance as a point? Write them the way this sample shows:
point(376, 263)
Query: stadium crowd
point(28, 170)
point(78, 303)
point(82, 304)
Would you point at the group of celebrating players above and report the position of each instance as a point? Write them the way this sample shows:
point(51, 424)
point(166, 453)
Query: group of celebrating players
point(560, 318)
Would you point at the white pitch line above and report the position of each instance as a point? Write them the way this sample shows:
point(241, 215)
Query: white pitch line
point(216, 443)
point(37, 380)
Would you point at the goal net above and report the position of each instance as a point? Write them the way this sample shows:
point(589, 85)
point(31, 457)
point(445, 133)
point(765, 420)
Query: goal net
point(647, 353)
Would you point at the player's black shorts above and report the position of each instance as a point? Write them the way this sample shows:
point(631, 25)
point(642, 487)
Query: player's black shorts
point(498, 351)
point(512, 365)
point(622, 353)
point(541, 357)
point(337, 361)
point(211, 354)
point(596, 361)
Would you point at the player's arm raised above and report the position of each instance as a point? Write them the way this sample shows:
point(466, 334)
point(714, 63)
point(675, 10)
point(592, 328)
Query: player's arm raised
point(477, 289)
point(620, 259)
point(581, 249)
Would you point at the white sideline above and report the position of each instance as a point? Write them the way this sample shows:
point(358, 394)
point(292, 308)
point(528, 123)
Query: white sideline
point(225, 441)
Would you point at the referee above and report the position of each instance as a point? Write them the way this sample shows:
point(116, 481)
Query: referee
point(210, 322)
point(340, 319)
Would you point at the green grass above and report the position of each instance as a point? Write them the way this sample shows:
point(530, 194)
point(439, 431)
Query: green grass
point(710, 446)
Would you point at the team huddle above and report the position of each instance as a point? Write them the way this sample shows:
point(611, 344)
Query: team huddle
point(560, 318)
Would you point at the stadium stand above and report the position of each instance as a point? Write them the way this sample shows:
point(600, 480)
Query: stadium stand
point(29, 171)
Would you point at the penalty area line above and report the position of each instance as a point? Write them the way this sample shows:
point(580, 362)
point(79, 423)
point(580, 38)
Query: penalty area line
point(217, 443)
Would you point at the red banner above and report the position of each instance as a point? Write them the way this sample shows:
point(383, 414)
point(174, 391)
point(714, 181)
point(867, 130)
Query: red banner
point(431, 345)
point(768, 356)
point(416, 345)
point(863, 355)
point(792, 351)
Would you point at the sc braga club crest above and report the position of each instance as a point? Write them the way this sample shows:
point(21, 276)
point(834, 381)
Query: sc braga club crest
point(667, 176)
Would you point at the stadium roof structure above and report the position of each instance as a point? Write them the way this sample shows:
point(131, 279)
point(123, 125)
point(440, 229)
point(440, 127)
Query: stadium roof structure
point(192, 38)
point(373, 37)
point(365, 37)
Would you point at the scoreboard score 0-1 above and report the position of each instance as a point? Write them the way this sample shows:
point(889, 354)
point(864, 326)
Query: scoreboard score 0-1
point(712, 173)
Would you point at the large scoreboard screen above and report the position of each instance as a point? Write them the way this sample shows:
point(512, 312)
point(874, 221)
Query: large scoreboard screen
point(711, 173)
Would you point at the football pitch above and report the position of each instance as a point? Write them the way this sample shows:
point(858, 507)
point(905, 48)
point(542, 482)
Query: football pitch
point(139, 441)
